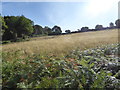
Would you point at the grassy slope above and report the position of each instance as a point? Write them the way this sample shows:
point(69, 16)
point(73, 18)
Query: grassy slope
point(75, 70)
point(63, 44)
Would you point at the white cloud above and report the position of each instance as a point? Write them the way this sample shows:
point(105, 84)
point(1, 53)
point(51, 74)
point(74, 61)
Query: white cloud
point(98, 7)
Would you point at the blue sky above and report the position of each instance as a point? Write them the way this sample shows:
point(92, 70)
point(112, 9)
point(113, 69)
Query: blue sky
point(67, 15)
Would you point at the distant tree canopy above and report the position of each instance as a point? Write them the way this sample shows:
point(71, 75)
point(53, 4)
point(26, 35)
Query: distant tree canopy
point(98, 27)
point(84, 29)
point(67, 31)
point(18, 26)
point(38, 30)
point(56, 30)
point(111, 25)
point(47, 30)
point(117, 22)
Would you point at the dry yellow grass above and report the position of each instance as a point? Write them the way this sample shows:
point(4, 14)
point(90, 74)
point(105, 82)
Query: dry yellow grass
point(63, 44)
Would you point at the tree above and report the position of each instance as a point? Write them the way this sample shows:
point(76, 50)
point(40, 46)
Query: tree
point(98, 27)
point(67, 31)
point(47, 30)
point(18, 26)
point(117, 22)
point(84, 29)
point(56, 30)
point(3, 25)
point(24, 26)
point(8, 35)
point(38, 30)
point(10, 32)
point(111, 25)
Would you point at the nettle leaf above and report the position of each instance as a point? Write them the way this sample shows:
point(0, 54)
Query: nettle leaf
point(67, 84)
point(84, 63)
point(83, 79)
point(91, 65)
point(81, 87)
point(109, 74)
point(93, 71)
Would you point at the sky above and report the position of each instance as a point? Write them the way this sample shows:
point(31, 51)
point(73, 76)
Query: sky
point(70, 15)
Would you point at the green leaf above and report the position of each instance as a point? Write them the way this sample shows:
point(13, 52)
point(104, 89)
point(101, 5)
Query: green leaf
point(91, 65)
point(84, 63)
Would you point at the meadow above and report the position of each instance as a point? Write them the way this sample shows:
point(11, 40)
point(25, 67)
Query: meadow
point(83, 60)
point(63, 44)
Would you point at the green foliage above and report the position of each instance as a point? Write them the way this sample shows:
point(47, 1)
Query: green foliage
point(10, 32)
point(24, 26)
point(81, 70)
point(84, 29)
point(18, 26)
point(117, 22)
point(47, 30)
point(3, 25)
point(38, 30)
point(98, 27)
point(67, 31)
point(56, 30)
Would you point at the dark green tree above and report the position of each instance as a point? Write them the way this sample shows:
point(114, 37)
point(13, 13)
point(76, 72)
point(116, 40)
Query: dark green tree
point(67, 31)
point(117, 22)
point(98, 27)
point(56, 30)
point(18, 26)
point(111, 25)
point(24, 26)
point(3, 25)
point(38, 30)
point(84, 29)
point(47, 30)
point(10, 32)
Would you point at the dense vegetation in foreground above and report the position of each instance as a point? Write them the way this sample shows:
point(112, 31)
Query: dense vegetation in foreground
point(93, 68)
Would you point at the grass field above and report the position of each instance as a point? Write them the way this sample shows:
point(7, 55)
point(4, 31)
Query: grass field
point(83, 61)
point(60, 45)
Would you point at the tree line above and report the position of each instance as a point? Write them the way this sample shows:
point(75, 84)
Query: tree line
point(15, 27)
point(20, 27)
point(97, 28)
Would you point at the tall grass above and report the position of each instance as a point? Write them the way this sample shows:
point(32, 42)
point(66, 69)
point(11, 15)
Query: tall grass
point(62, 45)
